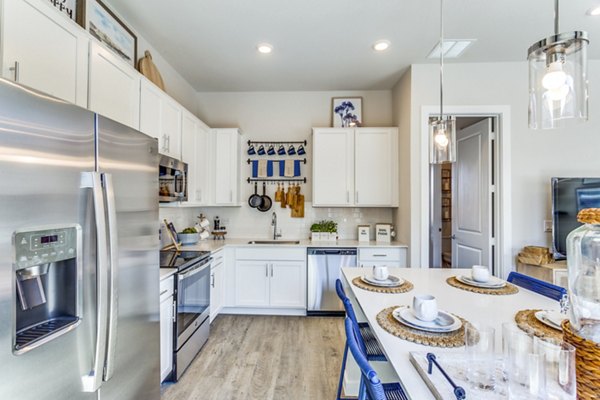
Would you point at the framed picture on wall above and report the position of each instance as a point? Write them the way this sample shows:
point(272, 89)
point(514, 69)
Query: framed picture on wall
point(73, 9)
point(346, 112)
point(105, 26)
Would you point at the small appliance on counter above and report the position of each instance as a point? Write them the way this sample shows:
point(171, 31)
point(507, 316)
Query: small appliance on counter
point(192, 304)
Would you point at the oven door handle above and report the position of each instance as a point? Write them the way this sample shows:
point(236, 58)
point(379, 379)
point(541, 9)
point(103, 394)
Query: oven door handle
point(194, 271)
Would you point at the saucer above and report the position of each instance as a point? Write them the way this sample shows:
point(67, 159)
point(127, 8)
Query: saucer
point(391, 281)
point(493, 283)
point(553, 319)
point(405, 316)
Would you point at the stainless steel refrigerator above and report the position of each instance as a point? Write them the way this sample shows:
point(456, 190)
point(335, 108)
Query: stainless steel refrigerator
point(79, 253)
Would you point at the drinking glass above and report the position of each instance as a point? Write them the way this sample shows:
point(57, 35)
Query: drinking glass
point(525, 369)
point(508, 329)
point(481, 366)
point(559, 369)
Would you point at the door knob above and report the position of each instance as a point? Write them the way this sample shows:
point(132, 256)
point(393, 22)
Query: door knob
point(453, 237)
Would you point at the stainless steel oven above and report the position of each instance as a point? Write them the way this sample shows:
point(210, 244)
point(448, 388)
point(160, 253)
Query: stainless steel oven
point(172, 177)
point(192, 297)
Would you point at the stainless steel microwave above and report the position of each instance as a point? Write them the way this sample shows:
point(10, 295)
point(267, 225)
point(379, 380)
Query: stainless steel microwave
point(172, 179)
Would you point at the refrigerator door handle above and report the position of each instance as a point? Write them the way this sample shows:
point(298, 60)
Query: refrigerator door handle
point(93, 380)
point(113, 294)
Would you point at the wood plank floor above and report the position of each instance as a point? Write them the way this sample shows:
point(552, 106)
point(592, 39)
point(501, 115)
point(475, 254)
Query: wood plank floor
point(265, 357)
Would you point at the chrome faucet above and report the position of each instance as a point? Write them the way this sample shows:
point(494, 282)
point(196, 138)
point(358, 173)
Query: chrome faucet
point(274, 225)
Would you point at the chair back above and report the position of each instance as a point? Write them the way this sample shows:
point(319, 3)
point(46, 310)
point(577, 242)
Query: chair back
point(340, 290)
point(370, 385)
point(535, 285)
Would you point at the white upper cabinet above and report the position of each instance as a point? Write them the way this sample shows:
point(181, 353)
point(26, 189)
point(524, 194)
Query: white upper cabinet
point(42, 49)
point(171, 127)
point(114, 87)
point(375, 167)
point(225, 150)
point(333, 167)
point(194, 152)
point(161, 118)
point(355, 167)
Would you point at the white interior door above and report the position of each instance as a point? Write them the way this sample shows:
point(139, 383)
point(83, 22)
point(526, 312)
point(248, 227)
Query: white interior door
point(471, 197)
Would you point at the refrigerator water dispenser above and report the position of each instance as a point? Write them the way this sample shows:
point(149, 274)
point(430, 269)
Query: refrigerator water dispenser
point(47, 290)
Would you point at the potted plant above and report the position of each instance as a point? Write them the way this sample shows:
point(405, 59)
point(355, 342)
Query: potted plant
point(331, 228)
point(315, 231)
point(189, 236)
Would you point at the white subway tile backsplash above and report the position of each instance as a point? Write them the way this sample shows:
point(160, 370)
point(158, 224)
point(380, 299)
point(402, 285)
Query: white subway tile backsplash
point(244, 222)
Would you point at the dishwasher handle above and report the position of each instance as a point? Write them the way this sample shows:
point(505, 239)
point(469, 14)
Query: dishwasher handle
point(342, 252)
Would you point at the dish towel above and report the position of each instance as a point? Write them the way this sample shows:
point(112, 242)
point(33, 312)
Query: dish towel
point(289, 168)
point(262, 168)
point(255, 168)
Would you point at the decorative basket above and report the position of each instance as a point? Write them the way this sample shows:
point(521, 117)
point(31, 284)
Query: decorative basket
point(587, 363)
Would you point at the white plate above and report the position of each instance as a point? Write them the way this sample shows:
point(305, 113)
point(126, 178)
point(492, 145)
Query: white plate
point(553, 319)
point(405, 316)
point(493, 283)
point(391, 281)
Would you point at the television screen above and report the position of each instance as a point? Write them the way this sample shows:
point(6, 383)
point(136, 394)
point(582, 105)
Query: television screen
point(569, 196)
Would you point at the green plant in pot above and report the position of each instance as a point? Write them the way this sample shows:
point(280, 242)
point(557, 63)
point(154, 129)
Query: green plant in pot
point(324, 230)
point(189, 236)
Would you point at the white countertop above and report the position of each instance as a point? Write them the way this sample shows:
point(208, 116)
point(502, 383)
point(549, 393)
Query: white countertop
point(488, 309)
point(166, 272)
point(214, 245)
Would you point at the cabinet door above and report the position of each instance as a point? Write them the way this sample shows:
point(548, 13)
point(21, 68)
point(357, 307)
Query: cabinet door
point(194, 152)
point(44, 50)
point(333, 167)
point(375, 170)
point(114, 87)
point(150, 104)
point(288, 284)
point(216, 290)
point(171, 127)
point(166, 337)
point(226, 164)
point(251, 283)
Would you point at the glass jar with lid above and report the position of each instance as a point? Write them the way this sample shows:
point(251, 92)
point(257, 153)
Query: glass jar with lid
point(583, 260)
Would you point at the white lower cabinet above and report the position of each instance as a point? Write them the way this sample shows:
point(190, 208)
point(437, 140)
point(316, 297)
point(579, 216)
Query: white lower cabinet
point(167, 313)
point(287, 284)
point(392, 257)
point(270, 278)
point(217, 273)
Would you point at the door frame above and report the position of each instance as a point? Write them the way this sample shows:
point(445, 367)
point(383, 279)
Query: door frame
point(503, 209)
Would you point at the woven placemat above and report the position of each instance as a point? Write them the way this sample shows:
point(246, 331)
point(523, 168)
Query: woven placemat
point(508, 289)
point(527, 321)
point(449, 339)
point(407, 286)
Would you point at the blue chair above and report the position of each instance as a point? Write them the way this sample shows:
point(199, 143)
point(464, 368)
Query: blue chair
point(371, 387)
point(535, 285)
point(367, 341)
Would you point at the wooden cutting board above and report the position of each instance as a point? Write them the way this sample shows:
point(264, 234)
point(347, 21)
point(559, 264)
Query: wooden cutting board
point(298, 210)
point(148, 69)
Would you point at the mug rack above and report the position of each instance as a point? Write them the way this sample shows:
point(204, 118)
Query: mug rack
point(276, 180)
point(251, 142)
point(249, 161)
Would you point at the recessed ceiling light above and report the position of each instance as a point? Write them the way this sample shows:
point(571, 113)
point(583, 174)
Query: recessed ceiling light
point(381, 45)
point(453, 48)
point(264, 48)
point(594, 11)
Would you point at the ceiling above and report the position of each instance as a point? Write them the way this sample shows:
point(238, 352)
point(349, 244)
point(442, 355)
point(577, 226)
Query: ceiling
point(326, 44)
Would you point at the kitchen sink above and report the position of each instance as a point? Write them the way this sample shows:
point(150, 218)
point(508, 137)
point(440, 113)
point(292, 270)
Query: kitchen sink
point(274, 242)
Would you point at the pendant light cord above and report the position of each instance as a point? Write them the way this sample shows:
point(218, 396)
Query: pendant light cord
point(556, 15)
point(442, 59)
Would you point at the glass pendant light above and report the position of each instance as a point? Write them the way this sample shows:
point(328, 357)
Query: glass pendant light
point(558, 86)
point(442, 131)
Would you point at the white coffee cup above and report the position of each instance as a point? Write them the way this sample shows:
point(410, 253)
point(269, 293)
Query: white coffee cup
point(480, 273)
point(425, 307)
point(380, 272)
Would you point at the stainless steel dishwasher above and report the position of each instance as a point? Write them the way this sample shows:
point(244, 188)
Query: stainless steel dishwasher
point(324, 266)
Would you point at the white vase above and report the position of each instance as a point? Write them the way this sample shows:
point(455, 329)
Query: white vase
point(315, 236)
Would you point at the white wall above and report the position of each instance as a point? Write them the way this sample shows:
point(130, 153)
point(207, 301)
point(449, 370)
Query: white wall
point(536, 156)
point(281, 116)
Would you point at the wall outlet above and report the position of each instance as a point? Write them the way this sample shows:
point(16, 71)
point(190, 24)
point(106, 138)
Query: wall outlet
point(547, 225)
